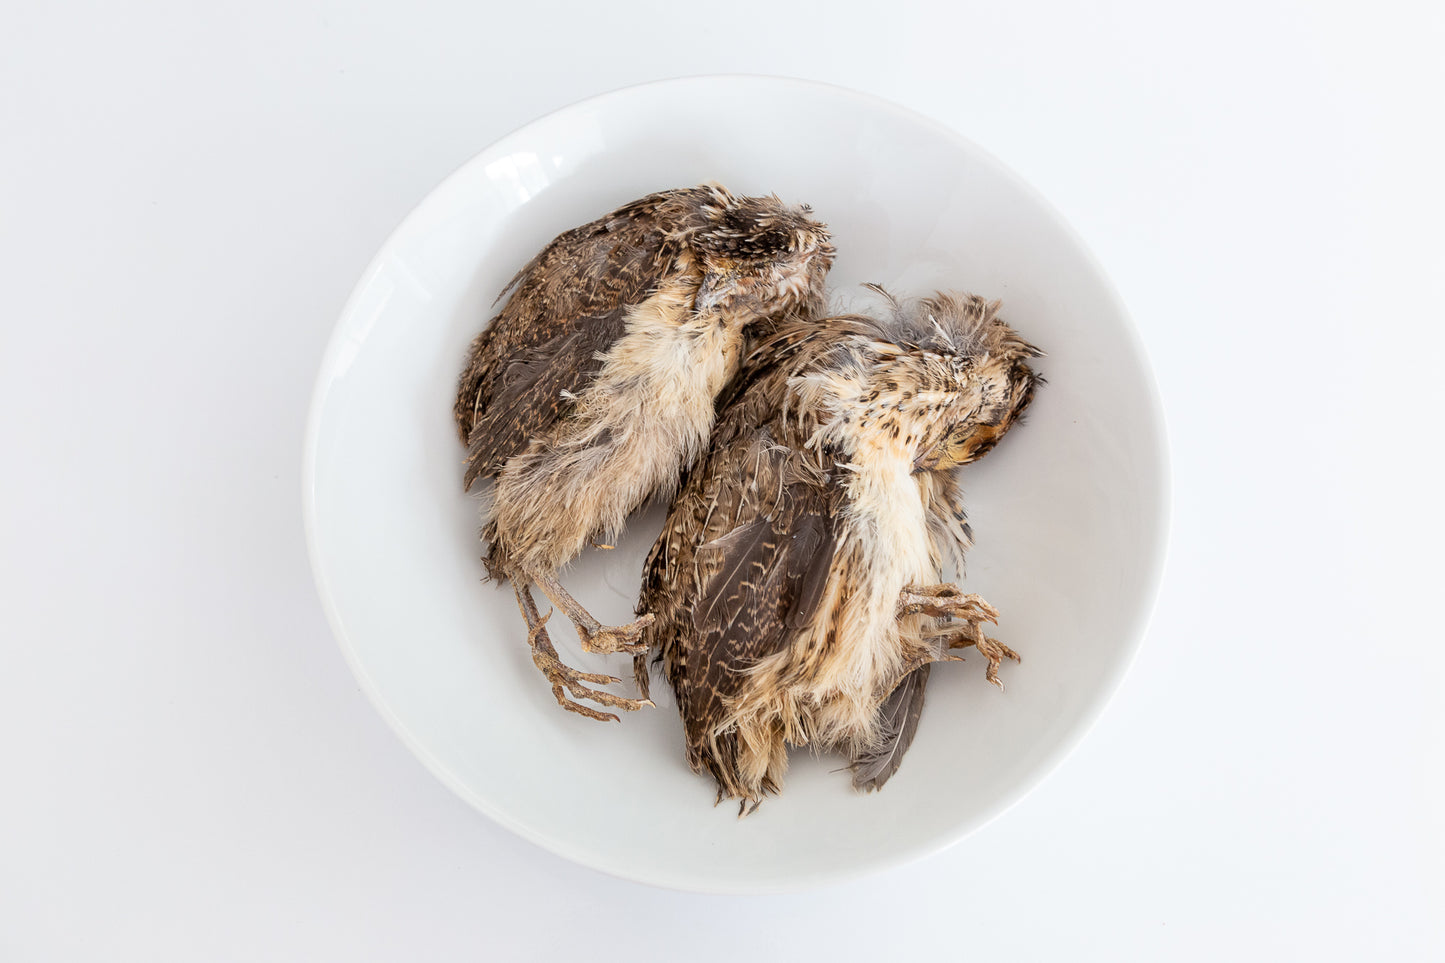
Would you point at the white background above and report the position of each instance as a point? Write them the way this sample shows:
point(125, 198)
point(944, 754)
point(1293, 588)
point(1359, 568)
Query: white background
point(189, 191)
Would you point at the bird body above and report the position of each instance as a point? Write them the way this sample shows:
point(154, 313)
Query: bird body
point(796, 584)
point(594, 387)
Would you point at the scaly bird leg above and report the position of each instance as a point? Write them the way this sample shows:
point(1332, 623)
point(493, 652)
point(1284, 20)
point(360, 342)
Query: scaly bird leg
point(948, 601)
point(595, 636)
point(944, 601)
point(565, 679)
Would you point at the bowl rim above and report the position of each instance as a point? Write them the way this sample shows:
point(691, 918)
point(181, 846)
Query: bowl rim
point(1154, 418)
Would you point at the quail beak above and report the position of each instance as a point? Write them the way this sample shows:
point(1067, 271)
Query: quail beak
point(928, 460)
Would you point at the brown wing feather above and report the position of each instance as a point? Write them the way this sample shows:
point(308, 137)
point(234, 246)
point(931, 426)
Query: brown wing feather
point(569, 301)
point(750, 582)
point(754, 590)
point(741, 563)
point(535, 388)
point(898, 723)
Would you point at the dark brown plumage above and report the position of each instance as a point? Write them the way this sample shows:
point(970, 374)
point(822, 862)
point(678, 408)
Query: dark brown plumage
point(593, 388)
point(795, 584)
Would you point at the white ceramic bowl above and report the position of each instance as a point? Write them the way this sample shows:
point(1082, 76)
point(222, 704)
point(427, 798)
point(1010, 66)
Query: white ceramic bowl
point(1070, 512)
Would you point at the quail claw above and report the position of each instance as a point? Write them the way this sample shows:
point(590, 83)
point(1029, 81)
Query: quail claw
point(566, 680)
point(948, 602)
point(579, 685)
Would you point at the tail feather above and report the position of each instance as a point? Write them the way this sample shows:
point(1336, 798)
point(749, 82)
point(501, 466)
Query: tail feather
point(898, 722)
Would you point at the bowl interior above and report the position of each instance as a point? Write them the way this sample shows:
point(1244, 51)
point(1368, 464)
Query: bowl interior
point(1069, 512)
